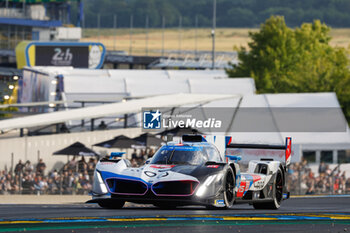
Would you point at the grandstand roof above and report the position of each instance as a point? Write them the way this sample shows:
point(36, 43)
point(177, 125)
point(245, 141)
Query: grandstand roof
point(30, 22)
point(132, 106)
point(107, 84)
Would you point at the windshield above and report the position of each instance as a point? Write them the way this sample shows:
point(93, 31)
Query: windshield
point(179, 155)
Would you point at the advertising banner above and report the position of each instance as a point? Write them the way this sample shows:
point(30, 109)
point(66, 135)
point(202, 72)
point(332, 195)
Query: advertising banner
point(75, 54)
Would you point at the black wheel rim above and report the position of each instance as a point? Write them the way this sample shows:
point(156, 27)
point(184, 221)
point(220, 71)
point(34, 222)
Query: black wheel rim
point(279, 187)
point(229, 187)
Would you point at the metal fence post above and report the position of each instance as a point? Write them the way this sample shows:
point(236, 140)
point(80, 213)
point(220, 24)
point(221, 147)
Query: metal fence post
point(299, 181)
point(60, 182)
point(20, 182)
point(12, 162)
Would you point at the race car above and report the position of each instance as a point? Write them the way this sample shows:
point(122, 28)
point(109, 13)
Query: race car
point(192, 172)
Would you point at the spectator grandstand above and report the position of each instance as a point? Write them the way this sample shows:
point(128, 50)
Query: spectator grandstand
point(76, 177)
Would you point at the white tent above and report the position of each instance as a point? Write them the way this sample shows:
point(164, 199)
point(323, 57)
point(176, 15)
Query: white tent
point(112, 85)
point(132, 106)
point(82, 84)
point(316, 144)
point(92, 87)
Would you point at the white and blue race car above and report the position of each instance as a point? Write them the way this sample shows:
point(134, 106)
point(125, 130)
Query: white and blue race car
point(192, 172)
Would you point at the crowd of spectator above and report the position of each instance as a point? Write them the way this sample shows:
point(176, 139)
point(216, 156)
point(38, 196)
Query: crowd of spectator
point(138, 159)
point(302, 180)
point(76, 177)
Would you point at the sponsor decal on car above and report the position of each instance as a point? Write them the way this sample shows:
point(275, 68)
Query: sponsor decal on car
point(219, 202)
point(256, 177)
point(161, 166)
point(259, 184)
point(241, 189)
point(107, 163)
point(213, 166)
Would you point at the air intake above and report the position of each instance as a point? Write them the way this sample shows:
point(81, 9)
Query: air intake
point(126, 186)
point(175, 188)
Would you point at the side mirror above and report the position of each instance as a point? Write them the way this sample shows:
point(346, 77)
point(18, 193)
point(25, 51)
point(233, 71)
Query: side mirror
point(148, 161)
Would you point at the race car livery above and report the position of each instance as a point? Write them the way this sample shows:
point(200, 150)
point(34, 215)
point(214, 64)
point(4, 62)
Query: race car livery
point(192, 172)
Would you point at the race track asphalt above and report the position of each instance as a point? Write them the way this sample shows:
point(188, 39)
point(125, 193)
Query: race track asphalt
point(311, 214)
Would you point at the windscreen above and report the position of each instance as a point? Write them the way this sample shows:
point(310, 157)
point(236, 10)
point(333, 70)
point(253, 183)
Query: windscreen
point(180, 155)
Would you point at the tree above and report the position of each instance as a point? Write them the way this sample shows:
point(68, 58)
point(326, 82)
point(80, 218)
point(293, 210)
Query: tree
point(283, 60)
point(230, 13)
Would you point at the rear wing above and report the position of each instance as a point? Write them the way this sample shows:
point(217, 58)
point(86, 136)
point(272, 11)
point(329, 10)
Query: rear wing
point(287, 148)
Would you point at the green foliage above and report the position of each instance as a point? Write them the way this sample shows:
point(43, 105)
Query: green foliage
point(230, 13)
point(283, 60)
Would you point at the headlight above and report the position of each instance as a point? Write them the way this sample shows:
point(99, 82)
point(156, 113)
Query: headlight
point(99, 177)
point(219, 176)
point(204, 186)
point(209, 180)
point(102, 184)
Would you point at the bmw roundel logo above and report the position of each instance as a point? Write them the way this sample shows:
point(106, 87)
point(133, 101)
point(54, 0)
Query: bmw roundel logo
point(150, 174)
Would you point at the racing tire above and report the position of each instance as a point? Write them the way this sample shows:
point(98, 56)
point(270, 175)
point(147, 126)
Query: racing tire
point(115, 204)
point(277, 194)
point(229, 192)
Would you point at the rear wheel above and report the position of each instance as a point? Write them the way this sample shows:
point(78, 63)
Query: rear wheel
point(277, 194)
point(112, 204)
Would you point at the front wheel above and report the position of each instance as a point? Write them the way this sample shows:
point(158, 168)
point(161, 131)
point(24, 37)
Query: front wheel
point(277, 194)
point(228, 187)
